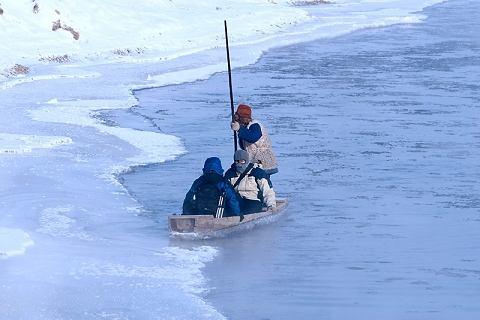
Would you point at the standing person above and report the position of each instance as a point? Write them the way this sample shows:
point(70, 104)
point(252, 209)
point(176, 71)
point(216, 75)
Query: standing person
point(253, 137)
point(253, 188)
point(204, 195)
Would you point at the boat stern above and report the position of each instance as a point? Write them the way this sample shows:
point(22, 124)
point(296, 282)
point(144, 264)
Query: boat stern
point(181, 224)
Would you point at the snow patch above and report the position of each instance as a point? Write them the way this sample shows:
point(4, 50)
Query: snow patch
point(184, 257)
point(182, 76)
point(184, 269)
point(56, 222)
point(10, 83)
point(18, 144)
point(13, 242)
point(153, 146)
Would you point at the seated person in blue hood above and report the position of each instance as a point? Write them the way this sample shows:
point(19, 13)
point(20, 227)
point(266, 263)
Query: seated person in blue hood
point(203, 197)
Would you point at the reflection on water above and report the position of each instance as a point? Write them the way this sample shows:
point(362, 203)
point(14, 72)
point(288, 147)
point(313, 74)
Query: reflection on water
point(378, 140)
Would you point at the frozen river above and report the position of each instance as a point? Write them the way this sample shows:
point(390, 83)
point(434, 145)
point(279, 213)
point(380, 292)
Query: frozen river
point(378, 139)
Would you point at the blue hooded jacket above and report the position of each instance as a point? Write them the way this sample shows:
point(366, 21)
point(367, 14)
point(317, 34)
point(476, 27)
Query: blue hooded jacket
point(213, 174)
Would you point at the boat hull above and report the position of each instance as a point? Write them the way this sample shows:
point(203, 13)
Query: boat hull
point(207, 226)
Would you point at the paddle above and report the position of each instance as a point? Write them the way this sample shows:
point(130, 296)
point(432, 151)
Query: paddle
point(230, 85)
point(221, 201)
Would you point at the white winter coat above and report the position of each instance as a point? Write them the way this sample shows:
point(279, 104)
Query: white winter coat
point(249, 188)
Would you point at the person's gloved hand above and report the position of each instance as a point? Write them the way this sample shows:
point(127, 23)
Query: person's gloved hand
point(235, 126)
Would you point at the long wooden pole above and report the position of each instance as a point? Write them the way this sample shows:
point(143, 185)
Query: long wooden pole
point(230, 85)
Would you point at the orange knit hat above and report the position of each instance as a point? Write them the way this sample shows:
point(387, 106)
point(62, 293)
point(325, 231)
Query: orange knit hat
point(244, 111)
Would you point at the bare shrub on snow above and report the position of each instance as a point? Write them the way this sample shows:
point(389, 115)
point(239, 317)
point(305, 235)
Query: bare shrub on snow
point(309, 2)
point(16, 70)
point(58, 59)
point(128, 52)
point(59, 25)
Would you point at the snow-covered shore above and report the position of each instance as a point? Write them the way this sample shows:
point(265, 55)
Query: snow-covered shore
point(119, 31)
point(58, 198)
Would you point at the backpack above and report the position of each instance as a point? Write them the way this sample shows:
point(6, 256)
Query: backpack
point(206, 199)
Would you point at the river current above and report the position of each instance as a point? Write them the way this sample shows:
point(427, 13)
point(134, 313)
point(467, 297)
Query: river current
point(378, 139)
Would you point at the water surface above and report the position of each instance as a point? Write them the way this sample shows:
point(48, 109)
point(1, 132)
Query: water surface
point(378, 141)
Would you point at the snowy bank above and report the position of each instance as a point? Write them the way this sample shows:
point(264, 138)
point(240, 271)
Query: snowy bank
point(68, 30)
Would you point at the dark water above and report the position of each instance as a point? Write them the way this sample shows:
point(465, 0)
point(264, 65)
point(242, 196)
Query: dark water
point(378, 138)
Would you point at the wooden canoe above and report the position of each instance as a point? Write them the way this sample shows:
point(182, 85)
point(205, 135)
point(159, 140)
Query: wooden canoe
point(207, 226)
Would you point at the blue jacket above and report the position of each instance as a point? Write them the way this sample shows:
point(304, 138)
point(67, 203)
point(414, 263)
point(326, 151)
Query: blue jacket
point(212, 174)
point(232, 207)
point(251, 134)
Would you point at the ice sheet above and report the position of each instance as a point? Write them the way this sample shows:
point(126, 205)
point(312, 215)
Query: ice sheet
point(16, 143)
point(13, 242)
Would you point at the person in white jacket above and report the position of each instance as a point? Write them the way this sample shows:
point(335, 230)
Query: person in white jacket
point(253, 189)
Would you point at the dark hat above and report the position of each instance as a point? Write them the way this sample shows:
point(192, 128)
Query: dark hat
point(241, 155)
point(213, 164)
